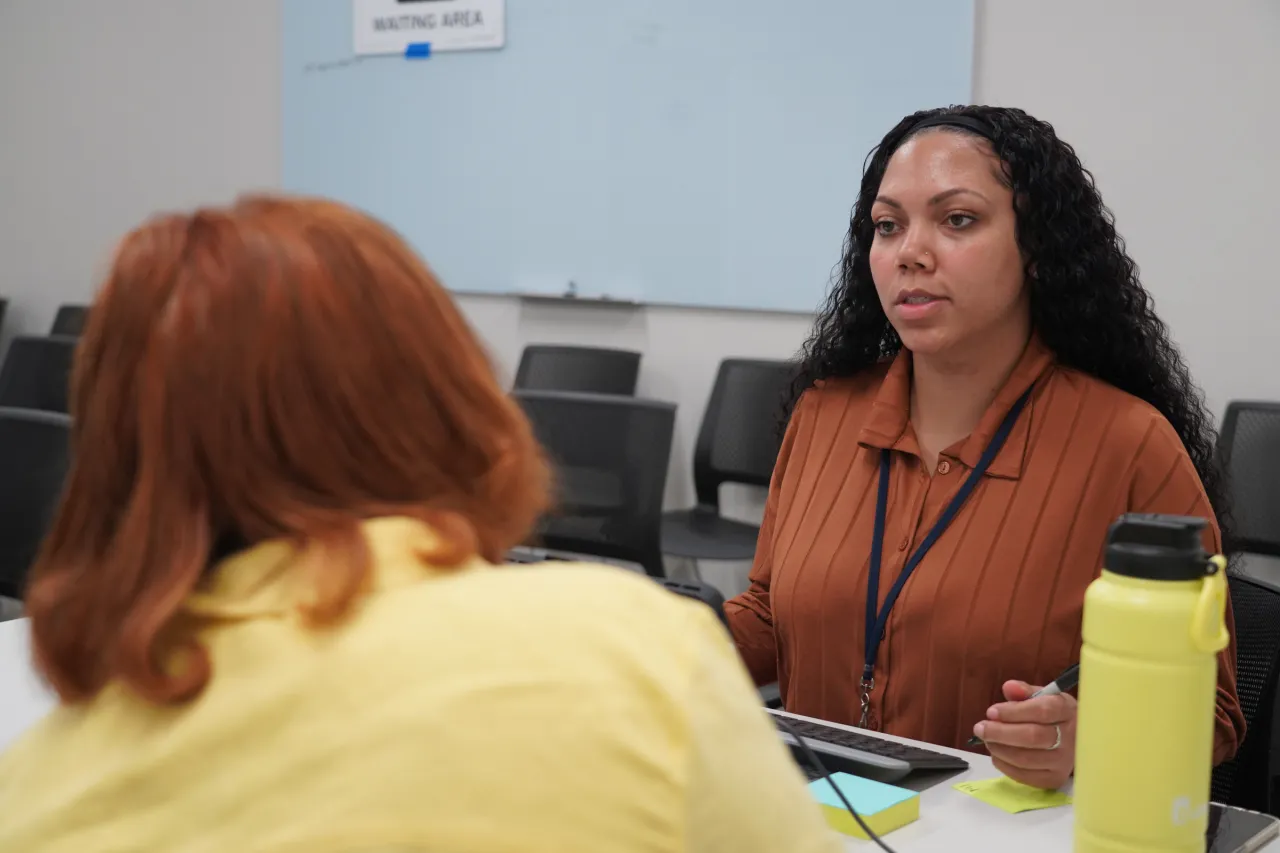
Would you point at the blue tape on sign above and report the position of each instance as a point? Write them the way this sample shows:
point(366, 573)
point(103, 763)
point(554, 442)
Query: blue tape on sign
point(418, 50)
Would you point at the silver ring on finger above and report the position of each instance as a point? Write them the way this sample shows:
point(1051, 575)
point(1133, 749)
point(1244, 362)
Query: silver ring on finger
point(1057, 739)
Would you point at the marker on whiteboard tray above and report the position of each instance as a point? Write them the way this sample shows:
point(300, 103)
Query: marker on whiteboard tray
point(417, 50)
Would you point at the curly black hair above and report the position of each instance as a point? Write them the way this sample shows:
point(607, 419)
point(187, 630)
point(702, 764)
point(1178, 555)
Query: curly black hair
point(1087, 303)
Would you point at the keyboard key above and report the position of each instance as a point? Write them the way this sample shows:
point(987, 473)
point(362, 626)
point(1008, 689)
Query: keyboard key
point(917, 757)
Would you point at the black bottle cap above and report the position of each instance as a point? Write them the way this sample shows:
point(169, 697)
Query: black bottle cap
point(1157, 547)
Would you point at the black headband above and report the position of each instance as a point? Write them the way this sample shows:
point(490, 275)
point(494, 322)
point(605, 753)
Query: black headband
point(953, 120)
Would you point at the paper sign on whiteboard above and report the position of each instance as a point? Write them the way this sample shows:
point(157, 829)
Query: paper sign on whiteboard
point(390, 26)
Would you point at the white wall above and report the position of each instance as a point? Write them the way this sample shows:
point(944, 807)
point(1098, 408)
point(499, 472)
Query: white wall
point(110, 111)
point(1175, 107)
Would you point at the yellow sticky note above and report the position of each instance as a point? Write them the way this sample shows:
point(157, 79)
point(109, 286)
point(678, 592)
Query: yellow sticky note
point(1013, 797)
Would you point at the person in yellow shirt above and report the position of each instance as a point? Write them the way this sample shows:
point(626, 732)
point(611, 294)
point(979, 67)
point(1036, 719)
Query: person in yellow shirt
point(270, 607)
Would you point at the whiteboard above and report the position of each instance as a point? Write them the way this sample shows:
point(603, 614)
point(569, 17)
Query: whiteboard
point(689, 152)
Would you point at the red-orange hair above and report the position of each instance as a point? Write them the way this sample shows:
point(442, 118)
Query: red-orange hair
point(282, 368)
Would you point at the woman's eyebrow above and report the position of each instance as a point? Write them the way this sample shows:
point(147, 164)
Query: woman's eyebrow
point(937, 199)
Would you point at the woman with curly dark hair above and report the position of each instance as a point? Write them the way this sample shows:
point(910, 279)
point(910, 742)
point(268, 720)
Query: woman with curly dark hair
point(986, 390)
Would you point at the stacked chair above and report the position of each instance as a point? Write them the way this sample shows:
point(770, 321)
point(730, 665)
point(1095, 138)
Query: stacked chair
point(34, 457)
point(737, 443)
point(610, 455)
point(36, 373)
point(1249, 452)
point(34, 443)
point(610, 451)
point(1250, 779)
point(591, 370)
point(70, 320)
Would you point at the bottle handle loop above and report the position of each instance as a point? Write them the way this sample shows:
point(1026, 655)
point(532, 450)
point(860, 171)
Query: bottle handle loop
point(1208, 626)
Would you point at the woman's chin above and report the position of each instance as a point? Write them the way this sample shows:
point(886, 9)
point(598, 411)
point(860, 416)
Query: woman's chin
point(925, 342)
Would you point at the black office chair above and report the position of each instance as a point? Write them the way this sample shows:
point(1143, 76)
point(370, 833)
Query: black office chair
point(737, 443)
point(610, 455)
point(1249, 451)
point(700, 591)
point(70, 320)
point(34, 454)
point(591, 370)
point(36, 373)
point(1249, 779)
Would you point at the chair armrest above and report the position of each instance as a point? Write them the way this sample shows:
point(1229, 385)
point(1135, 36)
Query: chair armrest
point(770, 696)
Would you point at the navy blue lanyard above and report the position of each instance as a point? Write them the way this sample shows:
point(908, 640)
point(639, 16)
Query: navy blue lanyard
point(878, 620)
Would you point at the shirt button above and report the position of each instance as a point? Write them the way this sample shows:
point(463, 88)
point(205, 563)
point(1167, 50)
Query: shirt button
point(902, 545)
point(944, 467)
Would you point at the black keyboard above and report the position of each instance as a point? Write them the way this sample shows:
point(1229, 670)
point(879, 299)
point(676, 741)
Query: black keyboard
point(864, 754)
point(527, 555)
point(811, 774)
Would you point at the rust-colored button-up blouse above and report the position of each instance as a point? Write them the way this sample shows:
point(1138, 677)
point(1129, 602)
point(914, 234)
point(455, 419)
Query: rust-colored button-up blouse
point(999, 596)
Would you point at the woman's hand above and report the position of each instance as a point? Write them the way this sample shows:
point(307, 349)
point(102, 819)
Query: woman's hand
point(1032, 741)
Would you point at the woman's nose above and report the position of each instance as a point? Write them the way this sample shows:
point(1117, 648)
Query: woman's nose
point(915, 254)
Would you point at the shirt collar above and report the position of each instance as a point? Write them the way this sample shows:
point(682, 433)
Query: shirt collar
point(886, 427)
point(273, 578)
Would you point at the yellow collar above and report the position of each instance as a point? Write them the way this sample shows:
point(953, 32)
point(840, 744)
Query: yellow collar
point(270, 578)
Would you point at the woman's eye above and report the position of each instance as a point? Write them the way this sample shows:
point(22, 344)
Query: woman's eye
point(885, 227)
point(960, 220)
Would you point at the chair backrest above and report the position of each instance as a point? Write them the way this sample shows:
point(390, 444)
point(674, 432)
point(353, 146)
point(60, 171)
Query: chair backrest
point(610, 454)
point(740, 434)
point(591, 370)
point(1249, 449)
point(36, 373)
point(70, 320)
point(700, 591)
point(1248, 780)
point(34, 454)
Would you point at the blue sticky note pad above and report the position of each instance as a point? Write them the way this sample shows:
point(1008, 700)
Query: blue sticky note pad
point(865, 795)
point(883, 807)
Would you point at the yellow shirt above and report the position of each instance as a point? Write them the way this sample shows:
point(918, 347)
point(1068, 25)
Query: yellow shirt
point(552, 708)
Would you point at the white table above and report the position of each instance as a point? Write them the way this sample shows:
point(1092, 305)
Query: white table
point(23, 697)
point(949, 820)
point(957, 823)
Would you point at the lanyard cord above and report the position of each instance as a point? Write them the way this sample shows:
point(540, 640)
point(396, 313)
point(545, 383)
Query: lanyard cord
point(878, 619)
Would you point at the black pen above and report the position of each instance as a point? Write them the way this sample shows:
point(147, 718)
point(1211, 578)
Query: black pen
point(1069, 678)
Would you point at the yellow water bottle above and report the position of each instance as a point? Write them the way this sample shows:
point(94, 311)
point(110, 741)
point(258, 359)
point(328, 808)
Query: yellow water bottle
point(1154, 623)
